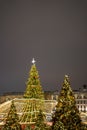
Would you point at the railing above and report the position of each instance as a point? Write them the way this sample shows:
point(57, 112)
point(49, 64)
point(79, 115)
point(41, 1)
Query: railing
point(48, 107)
point(25, 107)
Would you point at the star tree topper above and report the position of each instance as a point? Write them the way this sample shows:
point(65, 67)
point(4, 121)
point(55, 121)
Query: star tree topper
point(33, 61)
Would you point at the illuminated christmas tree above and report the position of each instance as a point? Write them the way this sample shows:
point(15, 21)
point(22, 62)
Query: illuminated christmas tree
point(66, 116)
point(33, 96)
point(34, 89)
point(41, 121)
point(12, 121)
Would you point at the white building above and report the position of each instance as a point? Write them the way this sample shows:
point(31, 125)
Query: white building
point(80, 96)
point(81, 100)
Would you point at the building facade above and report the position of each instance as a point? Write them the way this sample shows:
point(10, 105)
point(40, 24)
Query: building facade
point(80, 96)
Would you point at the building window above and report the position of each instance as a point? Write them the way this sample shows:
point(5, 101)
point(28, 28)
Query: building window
point(79, 97)
point(81, 101)
point(84, 102)
point(85, 97)
point(84, 109)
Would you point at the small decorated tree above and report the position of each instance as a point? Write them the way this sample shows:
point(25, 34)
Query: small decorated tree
point(40, 121)
point(66, 116)
point(12, 121)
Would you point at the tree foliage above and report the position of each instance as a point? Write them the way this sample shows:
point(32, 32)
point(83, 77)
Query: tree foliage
point(33, 89)
point(66, 116)
point(41, 121)
point(12, 121)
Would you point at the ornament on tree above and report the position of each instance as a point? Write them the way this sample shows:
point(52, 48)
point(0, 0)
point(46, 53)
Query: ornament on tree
point(33, 61)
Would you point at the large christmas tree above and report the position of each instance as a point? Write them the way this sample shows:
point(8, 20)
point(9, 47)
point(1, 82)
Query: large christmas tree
point(12, 121)
point(33, 89)
point(33, 97)
point(66, 116)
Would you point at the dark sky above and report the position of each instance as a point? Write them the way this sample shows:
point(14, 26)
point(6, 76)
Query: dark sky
point(54, 32)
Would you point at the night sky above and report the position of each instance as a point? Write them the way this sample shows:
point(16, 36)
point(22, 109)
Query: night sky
point(54, 32)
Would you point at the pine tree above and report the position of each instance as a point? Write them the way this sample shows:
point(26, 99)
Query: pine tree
point(33, 89)
point(66, 116)
point(12, 120)
point(40, 121)
point(33, 97)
